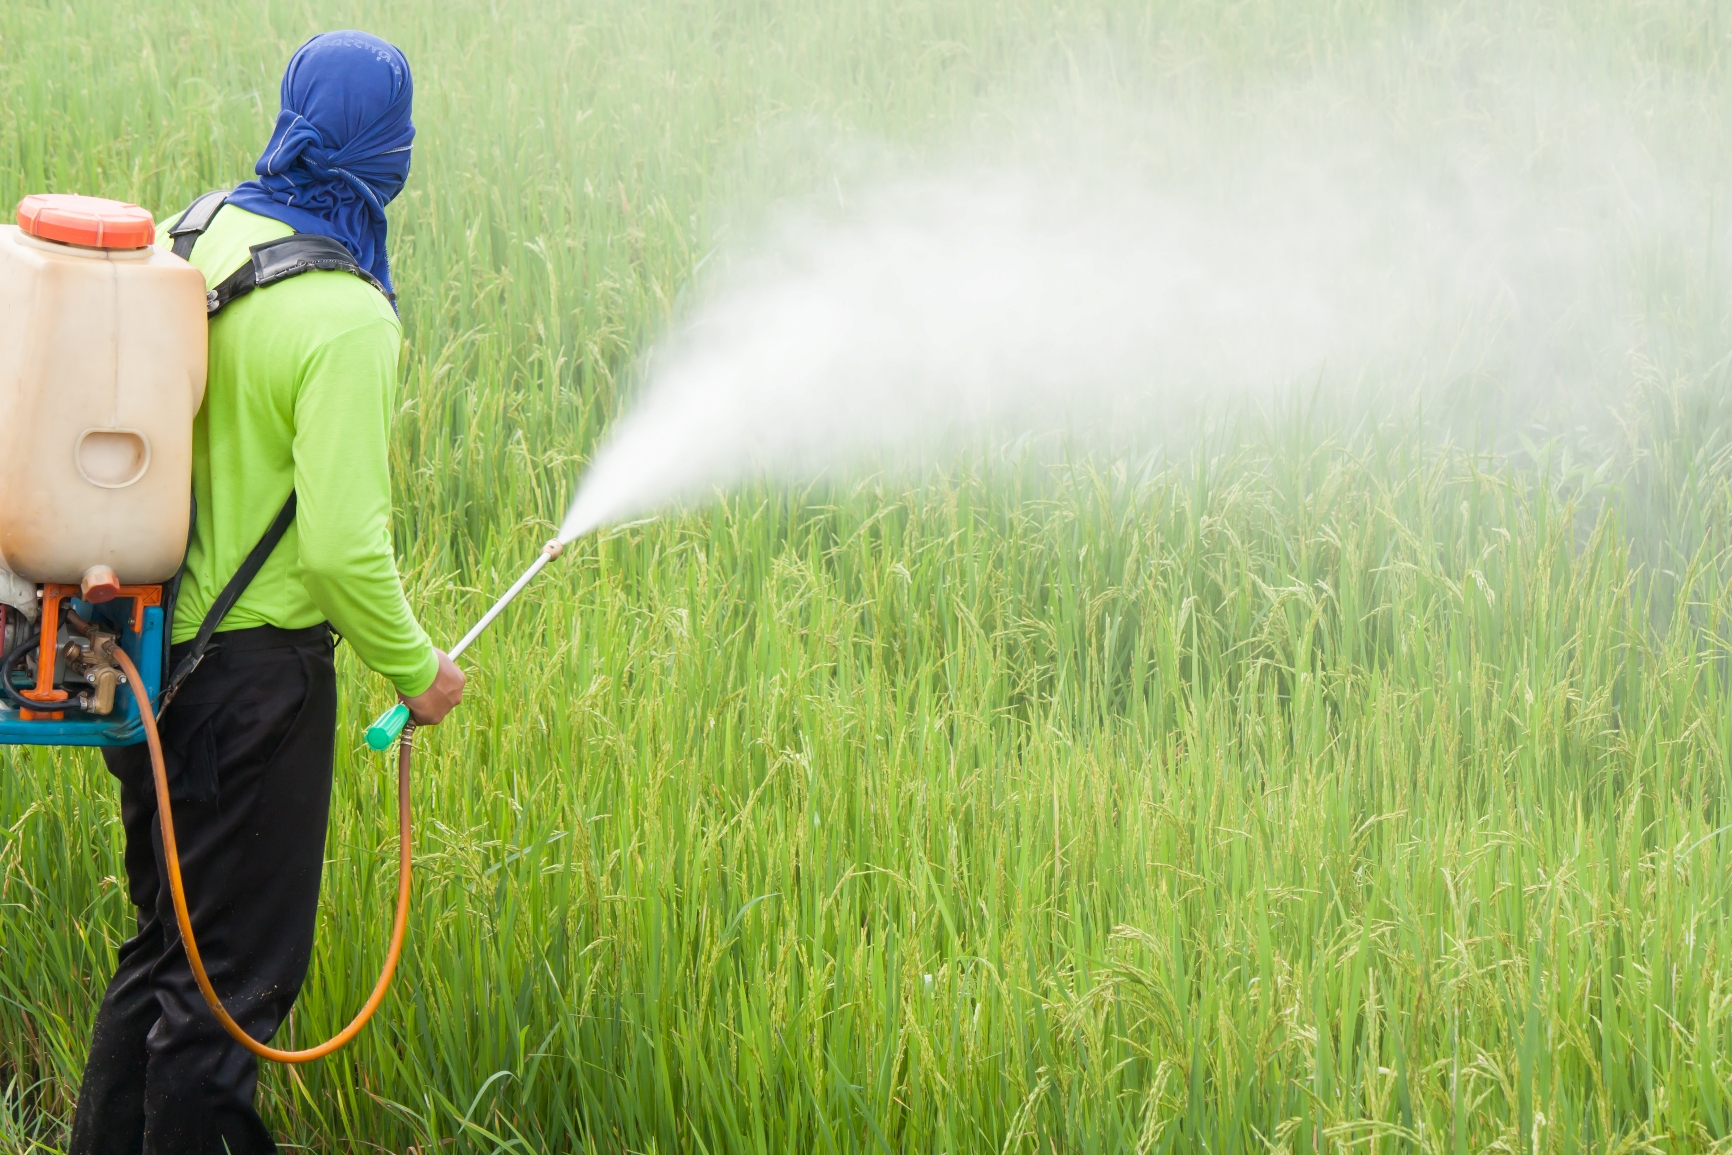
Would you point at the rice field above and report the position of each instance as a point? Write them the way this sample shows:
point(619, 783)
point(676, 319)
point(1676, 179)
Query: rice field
point(1344, 779)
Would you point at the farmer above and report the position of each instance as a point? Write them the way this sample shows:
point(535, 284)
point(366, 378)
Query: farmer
point(302, 380)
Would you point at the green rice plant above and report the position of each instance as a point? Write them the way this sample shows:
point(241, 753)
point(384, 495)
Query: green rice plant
point(1331, 782)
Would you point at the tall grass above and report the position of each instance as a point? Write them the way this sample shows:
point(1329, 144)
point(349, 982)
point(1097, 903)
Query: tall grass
point(1305, 791)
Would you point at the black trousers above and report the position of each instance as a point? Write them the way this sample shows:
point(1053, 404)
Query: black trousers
point(248, 745)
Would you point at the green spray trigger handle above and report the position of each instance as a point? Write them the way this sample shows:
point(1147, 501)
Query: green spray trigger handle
point(387, 727)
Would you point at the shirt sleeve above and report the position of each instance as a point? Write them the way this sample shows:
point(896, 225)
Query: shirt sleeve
point(343, 519)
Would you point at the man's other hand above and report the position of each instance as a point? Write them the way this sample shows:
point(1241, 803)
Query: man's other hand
point(430, 707)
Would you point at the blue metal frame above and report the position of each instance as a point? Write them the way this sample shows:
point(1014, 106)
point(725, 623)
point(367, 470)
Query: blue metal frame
point(121, 728)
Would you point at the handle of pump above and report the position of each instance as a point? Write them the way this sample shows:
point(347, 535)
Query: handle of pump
point(387, 727)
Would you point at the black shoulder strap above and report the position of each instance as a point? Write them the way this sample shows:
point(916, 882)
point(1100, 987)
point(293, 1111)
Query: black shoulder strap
point(281, 259)
point(272, 261)
point(195, 220)
point(225, 601)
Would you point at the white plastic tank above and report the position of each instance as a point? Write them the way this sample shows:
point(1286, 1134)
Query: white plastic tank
point(102, 367)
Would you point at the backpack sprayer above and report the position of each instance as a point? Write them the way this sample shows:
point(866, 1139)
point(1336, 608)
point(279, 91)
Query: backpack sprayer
point(96, 408)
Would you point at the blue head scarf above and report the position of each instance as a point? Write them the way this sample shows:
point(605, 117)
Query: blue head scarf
point(340, 150)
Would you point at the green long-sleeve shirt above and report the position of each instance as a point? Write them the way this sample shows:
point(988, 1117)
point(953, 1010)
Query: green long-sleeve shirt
point(302, 381)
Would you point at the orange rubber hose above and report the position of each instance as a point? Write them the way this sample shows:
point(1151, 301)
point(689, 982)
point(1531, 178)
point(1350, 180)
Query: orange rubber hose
point(171, 856)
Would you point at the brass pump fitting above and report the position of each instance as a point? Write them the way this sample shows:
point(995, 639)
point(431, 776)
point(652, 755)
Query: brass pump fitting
point(106, 680)
point(94, 659)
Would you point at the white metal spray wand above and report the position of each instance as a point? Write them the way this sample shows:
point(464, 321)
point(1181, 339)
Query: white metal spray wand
point(388, 726)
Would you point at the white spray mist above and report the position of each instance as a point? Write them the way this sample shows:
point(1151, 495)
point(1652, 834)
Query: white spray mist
point(1103, 287)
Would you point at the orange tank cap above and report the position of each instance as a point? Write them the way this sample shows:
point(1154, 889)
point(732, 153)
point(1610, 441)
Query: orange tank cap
point(92, 222)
